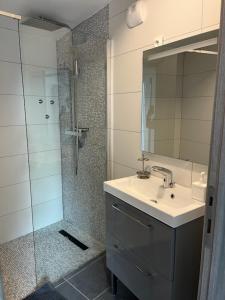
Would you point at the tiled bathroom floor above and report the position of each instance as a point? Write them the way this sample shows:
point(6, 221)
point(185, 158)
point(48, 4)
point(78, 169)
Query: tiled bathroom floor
point(55, 257)
point(92, 282)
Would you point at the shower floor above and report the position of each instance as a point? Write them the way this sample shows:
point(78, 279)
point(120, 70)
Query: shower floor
point(53, 257)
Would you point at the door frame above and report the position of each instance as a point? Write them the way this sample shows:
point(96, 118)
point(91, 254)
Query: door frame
point(212, 275)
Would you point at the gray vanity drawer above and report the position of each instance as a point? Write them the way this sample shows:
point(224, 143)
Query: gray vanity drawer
point(149, 241)
point(143, 284)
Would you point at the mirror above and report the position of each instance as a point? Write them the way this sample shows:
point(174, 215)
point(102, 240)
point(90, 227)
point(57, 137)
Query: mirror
point(178, 98)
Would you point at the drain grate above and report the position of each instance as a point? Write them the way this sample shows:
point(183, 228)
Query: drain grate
point(73, 240)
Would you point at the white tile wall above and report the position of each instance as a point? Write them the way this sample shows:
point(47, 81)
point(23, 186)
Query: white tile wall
point(46, 163)
point(14, 169)
point(8, 23)
point(122, 120)
point(211, 13)
point(47, 213)
point(197, 106)
point(41, 83)
point(40, 78)
point(174, 20)
point(40, 42)
point(15, 213)
point(43, 137)
point(36, 112)
point(160, 20)
point(13, 140)
point(10, 78)
point(14, 198)
point(46, 189)
point(126, 148)
point(15, 225)
point(12, 110)
point(9, 47)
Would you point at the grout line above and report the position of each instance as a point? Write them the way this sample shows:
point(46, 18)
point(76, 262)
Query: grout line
point(41, 66)
point(86, 267)
point(13, 155)
point(60, 284)
point(9, 62)
point(15, 211)
point(102, 293)
point(13, 184)
point(125, 130)
point(75, 288)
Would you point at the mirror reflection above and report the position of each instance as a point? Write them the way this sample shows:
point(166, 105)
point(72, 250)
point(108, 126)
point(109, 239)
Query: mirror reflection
point(177, 100)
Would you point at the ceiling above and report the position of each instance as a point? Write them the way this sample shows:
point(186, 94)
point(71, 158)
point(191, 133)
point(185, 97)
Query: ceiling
point(71, 12)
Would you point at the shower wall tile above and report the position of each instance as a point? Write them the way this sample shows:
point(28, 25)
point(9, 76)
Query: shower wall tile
point(46, 163)
point(47, 213)
point(11, 110)
point(8, 23)
point(13, 136)
point(15, 202)
point(43, 137)
point(120, 171)
point(83, 197)
point(46, 189)
point(14, 198)
point(40, 42)
point(14, 169)
point(9, 50)
point(42, 114)
point(122, 120)
point(10, 78)
point(15, 225)
point(40, 81)
point(36, 112)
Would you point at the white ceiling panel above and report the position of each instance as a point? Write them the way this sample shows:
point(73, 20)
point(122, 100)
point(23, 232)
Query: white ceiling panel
point(71, 12)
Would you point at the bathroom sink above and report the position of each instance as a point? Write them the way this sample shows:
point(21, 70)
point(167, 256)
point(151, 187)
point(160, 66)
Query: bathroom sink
point(172, 206)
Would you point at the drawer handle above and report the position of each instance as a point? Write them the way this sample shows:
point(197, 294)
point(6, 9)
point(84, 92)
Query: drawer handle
point(147, 274)
point(116, 207)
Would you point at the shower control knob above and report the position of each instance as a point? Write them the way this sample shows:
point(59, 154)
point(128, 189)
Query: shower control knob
point(47, 116)
point(40, 101)
point(52, 102)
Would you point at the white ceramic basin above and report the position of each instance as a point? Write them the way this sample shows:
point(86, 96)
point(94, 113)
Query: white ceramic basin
point(172, 206)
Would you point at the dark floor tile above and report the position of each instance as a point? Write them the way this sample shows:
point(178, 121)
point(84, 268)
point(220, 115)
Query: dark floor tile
point(73, 273)
point(69, 292)
point(122, 294)
point(93, 280)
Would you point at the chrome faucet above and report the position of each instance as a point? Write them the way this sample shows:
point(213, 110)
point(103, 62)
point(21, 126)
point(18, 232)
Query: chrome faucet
point(167, 176)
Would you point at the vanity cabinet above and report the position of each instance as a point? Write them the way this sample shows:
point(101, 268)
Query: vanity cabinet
point(154, 260)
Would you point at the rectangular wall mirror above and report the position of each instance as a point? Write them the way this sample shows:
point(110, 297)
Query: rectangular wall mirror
point(178, 98)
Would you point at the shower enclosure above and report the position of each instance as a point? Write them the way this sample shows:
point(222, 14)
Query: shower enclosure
point(63, 87)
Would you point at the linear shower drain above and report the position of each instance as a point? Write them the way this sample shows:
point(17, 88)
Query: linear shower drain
point(73, 240)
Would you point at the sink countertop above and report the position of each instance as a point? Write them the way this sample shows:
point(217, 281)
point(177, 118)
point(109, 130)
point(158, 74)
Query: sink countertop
point(172, 206)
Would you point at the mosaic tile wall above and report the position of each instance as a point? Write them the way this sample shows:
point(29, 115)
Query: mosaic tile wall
point(83, 197)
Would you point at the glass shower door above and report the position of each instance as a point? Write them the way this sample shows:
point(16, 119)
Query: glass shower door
point(67, 196)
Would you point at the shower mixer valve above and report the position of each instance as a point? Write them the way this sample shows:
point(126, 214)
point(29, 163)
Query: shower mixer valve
point(77, 131)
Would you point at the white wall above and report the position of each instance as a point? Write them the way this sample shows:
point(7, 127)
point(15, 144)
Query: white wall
point(172, 19)
point(15, 203)
point(39, 60)
point(40, 82)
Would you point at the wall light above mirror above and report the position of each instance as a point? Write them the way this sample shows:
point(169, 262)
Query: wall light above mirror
point(178, 98)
